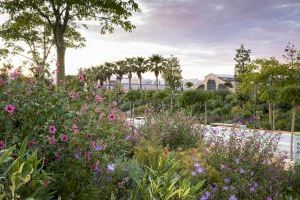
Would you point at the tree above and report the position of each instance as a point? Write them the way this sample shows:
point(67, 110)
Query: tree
point(172, 76)
point(62, 16)
point(292, 55)
point(132, 96)
point(109, 70)
point(189, 84)
point(157, 64)
point(140, 67)
point(120, 69)
point(130, 69)
point(28, 36)
point(242, 57)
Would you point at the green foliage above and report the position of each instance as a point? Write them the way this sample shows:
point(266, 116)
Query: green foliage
point(22, 176)
point(163, 181)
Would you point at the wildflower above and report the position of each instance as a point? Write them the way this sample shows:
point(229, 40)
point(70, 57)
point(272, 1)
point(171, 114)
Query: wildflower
point(225, 188)
point(10, 108)
point(205, 196)
point(237, 161)
point(96, 147)
point(52, 129)
point(64, 138)
point(112, 117)
point(98, 98)
point(252, 189)
point(227, 180)
point(77, 156)
point(95, 167)
point(269, 198)
point(2, 144)
point(75, 128)
point(15, 74)
point(242, 171)
point(111, 168)
point(215, 187)
point(200, 170)
point(31, 143)
point(193, 173)
point(52, 140)
point(233, 197)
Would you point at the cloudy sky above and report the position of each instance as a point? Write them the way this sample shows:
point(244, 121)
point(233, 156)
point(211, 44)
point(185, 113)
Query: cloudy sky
point(202, 33)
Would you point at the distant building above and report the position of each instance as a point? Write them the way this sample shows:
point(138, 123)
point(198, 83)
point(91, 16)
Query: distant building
point(220, 82)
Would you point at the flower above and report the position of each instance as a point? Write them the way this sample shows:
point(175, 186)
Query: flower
point(98, 98)
point(52, 129)
point(227, 180)
point(269, 198)
point(75, 128)
point(205, 196)
point(95, 167)
point(225, 188)
point(237, 161)
point(111, 168)
point(252, 189)
point(2, 144)
point(233, 197)
point(10, 108)
point(242, 171)
point(31, 143)
point(64, 138)
point(193, 173)
point(52, 140)
point(200, 170)
point(96, 147)
point(112, 116)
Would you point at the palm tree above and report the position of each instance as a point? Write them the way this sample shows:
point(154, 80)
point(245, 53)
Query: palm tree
point(109, 69)
point(140, 67)
point(130, 69)
point(120, 69)
point(100, 74)
point(157, 65)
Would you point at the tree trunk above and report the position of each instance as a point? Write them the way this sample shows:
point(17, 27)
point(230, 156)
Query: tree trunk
point(60, 50)
point(172, 101)
point(60, 76)
point(273, 117)
point(205, 107)
point(129, 79)
point(108, 80)
point(130, 104)
point(270, 113)
point(292, 130)
point(141, 86)
point(156, 76)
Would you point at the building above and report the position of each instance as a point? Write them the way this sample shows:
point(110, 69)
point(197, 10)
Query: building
point(217, 82)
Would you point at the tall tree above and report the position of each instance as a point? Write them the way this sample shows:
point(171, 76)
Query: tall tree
point(172, 76)
point(140, 67)
point(109, 70)
point(157, 65)
point(120, 69)
point(28, 36)
point(292, 55)
point(63, 16)
point(242, 57)
point(130, 70)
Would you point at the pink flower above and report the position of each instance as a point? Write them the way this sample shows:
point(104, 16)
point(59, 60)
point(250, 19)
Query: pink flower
point(112, 116)
point(1, 82)
point(31, 143)
point(10, 108)
point(95, 167)
point(73, 95)
point(98, 98)
point(52, 129)
point(64, 138)
point(75, 128)
point(52, 140)
point(81, 76)
point(15, 74)
point(2, 144)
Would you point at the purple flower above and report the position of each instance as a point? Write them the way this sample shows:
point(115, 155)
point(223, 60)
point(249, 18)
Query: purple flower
point(200, 170)
point(269, 198)
point(227, 180)
point(77, 156)
point(193, 173)
point(97, 147)
point(196, 165)
point(52, 129)
point(205, 196)
point(64, 138)
point(111, 168)
point(225, 188)
point(242, 171)
point(252, 189)
point(237, 161)
point(10, 108)
point(2, 144)
point(233, 197)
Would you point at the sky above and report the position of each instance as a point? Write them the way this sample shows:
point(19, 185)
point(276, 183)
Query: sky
point(203, 34)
